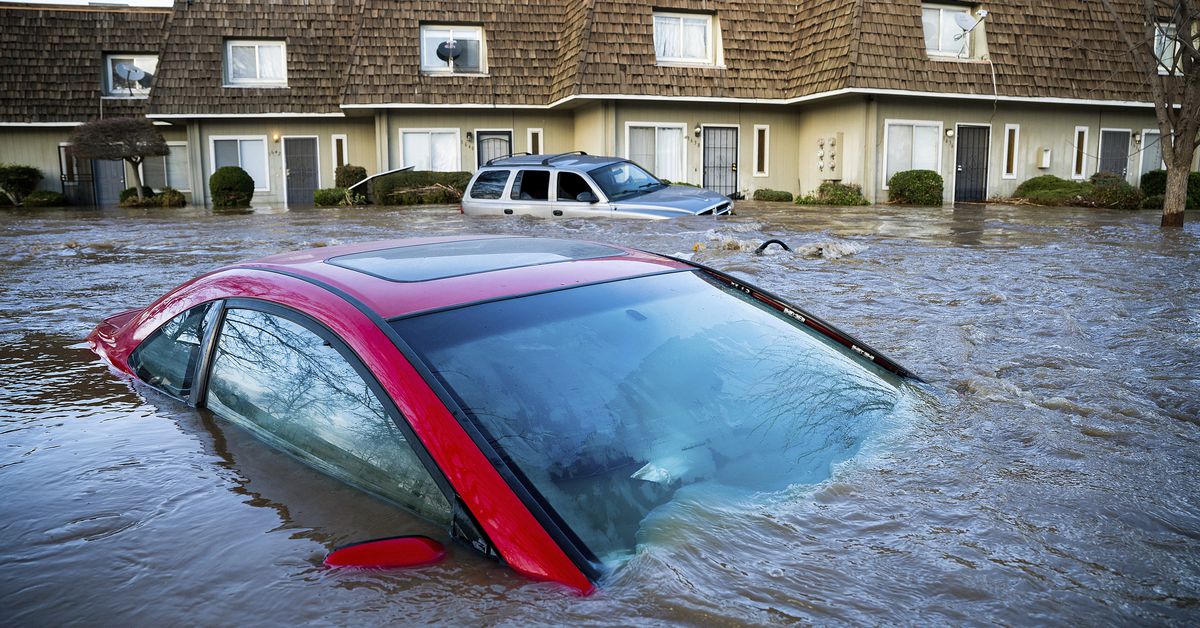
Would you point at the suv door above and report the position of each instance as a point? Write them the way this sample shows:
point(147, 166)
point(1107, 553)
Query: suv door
point(569, 188)
point(530, 193)
point(486, 195)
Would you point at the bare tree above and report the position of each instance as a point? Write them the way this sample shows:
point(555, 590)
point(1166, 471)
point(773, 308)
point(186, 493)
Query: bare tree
point(131, 139)
point(1162, 38)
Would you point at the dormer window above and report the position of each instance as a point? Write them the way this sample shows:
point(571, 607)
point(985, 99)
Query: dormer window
point(254, 63)
point(452, 50)
point(945, 35)
point(688, 38)
point(129, 75)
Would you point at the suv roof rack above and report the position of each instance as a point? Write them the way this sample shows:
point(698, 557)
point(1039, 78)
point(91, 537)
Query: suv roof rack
point(495, 159)
point(546, 161)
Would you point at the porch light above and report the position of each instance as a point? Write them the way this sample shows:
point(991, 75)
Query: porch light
point(275, 137)
point(1137, 139)
point(696, 131)
point(949, 132)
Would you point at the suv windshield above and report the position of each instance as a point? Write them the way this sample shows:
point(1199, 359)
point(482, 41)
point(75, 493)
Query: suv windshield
point(610, 400)
point(624, 180)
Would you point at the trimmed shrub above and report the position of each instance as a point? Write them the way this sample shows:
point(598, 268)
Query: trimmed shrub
point(834, 194)
point(44, 198)
point(231, 187)
point(1113, 191)
point(389, 189)
point(131, 193)
point(1051, 190)
point(916, 187)
point(1154, 202)
point(329, 197)
point(1154, 183)
point(776, 196)
point(170, 197)
point(1193, 191)
point(16, 181)
point(347, 175)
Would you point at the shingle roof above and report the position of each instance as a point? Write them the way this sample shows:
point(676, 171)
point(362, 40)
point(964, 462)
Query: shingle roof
point(53, 59)
point(318, 34)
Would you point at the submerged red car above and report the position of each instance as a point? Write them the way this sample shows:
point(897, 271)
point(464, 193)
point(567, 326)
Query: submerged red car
point(540, 398)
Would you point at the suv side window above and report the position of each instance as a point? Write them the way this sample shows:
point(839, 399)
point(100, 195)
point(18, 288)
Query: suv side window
point(531, 185)
point(570, 186)
point(293, 389)
point(489, 185)
point(166, 359)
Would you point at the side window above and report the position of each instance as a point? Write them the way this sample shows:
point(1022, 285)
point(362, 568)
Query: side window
point(490, 184)
point(166, 359)
point(531, 185)
point(570, 186)
point(288, 386)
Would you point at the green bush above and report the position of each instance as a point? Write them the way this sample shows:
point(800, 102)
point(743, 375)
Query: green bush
point(44, 198)
point(777, 196)
point(1055, 191)
point(170, 197)
point(834, 194)
point(1154, 183)
point(1153, 202)
point(16, 181)
point(329, 197)
point(347, 175)
point(129, 193)
point(916, 187)
point(394, 188)
point(1193, 191)
point(231, 187)
point(1113, 192)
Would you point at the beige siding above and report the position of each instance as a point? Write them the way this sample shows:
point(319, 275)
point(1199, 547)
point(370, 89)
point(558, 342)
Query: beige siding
point(822, 121)
point(37, 147)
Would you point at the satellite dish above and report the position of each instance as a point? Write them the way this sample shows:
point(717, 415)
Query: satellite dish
point(449, 50)
point(130, 72)
point(965, 21)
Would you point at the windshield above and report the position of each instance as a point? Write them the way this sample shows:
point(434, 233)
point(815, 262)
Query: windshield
point(624, 180)
point(609, 399)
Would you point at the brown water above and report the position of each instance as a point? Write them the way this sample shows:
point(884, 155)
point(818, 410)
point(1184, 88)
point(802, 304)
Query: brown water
point(1050, 478)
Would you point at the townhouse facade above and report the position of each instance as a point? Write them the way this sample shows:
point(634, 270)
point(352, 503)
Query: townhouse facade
point(729, 95)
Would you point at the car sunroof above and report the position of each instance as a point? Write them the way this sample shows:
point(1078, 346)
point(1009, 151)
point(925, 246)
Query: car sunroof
point(426, 262)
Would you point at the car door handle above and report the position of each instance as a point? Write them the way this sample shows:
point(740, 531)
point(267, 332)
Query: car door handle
point(508, 211)
point(558, 212)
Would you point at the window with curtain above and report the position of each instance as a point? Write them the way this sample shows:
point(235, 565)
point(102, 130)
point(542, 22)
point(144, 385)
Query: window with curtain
point(658, 148)
point(430, 150)
point(912, 146)
point(170, 170)
point(247, 153)
point(257, 63)
point(684, 38)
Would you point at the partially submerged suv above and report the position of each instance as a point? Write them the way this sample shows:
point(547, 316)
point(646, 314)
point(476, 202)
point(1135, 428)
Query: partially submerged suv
point(577, 184)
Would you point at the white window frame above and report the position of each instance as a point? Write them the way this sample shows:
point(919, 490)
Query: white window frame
point(212, 155)
point(942, 9)
point(166, 171)
point(766, 151)
point(333, 140)
point(256, 44)
point(529, 133)
point(108, 75)
point(714, 56)
point(450, 69)
point(1016, 152)
point(1167, 30)
point(457, 143)
point(888, 123)
point(1142, 153)
point(1079, 170)
point(683, 156)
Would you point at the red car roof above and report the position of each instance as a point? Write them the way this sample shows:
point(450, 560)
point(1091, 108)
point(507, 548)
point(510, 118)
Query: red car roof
point(400, 281)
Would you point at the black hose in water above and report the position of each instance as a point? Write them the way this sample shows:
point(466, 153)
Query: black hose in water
point(764, 245)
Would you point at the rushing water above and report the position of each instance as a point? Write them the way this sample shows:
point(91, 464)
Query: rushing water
point(1048, 477)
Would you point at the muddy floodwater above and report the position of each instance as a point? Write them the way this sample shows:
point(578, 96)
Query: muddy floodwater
point(1050, 474)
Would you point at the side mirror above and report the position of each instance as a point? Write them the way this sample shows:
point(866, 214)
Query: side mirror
point(587, 197)
point(396, 551)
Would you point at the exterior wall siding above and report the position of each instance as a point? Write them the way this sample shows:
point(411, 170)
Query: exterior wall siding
point(558, 129)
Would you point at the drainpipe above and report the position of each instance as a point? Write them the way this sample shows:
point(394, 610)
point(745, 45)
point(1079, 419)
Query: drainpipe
point(871, 150)
point(195, 140)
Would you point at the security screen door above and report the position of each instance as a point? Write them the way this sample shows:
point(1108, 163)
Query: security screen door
point(1114, 152)
point(492, 145)
point(301, 169)
point(971, 164)
point(720, 159)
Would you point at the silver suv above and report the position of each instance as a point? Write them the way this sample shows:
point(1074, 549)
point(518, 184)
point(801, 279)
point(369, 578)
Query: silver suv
point(577, 184)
